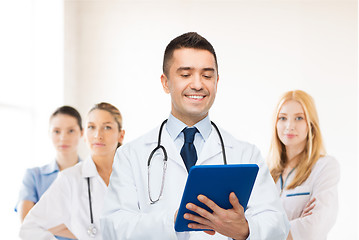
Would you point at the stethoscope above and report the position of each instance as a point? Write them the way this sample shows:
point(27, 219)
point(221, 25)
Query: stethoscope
point(91, 230)
point(283, 184)
point(160, 147)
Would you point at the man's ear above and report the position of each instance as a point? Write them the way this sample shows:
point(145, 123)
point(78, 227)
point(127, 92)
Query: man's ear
point(164, 81)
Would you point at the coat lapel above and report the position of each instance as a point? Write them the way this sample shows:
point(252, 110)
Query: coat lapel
point(167, 142)
point(173, 153)
point(212, 148)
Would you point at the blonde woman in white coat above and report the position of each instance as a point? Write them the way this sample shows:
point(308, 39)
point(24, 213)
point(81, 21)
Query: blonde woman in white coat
point(305, 176)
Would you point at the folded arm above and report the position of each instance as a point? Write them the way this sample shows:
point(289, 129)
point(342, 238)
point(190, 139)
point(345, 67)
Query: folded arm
point(322, 218)
point(47, 213)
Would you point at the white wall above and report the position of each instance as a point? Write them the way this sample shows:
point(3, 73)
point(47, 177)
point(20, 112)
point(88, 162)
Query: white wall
point(31, 87)
point(264, 48)
point(113, 52)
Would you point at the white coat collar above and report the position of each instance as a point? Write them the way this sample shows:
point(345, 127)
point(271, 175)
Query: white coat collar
point(89, 168)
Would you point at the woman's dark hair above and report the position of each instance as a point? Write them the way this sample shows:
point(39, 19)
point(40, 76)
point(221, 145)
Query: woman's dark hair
point(70, 111)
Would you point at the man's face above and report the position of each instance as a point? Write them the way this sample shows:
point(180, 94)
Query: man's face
point(192, 82)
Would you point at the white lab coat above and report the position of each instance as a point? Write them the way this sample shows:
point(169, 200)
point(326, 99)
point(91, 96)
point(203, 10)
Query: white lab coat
point(67, 202)
point(128, 213)
point(322, 184)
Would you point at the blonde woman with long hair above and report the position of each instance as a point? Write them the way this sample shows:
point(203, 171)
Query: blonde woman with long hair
point(305, 176)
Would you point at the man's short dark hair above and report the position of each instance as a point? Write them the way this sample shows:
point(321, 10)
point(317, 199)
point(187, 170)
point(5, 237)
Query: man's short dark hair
point(187, 40)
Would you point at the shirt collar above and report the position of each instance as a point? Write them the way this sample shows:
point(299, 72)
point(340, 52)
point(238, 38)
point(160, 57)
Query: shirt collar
point(50, 168)
point(174, 127)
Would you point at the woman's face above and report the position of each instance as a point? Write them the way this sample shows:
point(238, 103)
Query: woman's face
point(65, 133)
point(102, 134)
point(292, 128)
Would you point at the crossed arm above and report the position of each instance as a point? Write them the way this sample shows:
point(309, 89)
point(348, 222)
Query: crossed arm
point(306, 212)
point(60, 230)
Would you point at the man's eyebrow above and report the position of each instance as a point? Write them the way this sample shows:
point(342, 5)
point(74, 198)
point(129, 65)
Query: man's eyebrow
point(183, 69)
point(209, 69)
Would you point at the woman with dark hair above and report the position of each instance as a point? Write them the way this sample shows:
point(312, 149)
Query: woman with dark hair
point(65, 132)
point(75, 200)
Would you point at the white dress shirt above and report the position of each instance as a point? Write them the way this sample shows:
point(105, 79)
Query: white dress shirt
point(322, 184)
point(175, 127)
point(128, 213)
point(67, 202)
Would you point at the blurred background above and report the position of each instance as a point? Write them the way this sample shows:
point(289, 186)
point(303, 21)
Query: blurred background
point(81, 52)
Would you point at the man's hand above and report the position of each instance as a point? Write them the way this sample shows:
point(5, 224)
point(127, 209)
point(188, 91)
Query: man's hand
point(175, 216)
point(308, 208)
point(230, 223)
point(290, 237)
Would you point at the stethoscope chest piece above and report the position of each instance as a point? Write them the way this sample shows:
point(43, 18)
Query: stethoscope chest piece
point(92, 230)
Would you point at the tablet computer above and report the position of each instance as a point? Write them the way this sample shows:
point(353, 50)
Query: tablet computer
point(216, 182)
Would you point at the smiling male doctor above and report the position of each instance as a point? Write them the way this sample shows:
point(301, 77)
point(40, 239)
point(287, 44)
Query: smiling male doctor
point(190, 75)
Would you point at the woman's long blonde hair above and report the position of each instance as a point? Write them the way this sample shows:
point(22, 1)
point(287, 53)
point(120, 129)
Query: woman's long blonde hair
point(313, 149)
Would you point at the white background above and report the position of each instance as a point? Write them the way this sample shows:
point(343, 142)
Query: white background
point(82, 52)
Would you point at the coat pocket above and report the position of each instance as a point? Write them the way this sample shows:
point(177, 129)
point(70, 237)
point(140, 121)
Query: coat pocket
point(295, 200)
point(298, 194)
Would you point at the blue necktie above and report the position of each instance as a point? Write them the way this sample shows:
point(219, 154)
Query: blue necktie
point(188, 151)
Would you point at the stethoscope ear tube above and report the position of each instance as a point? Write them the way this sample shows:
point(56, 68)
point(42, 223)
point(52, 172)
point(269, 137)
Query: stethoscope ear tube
point(155, 150)
point(158, 146)
point(222, 143)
